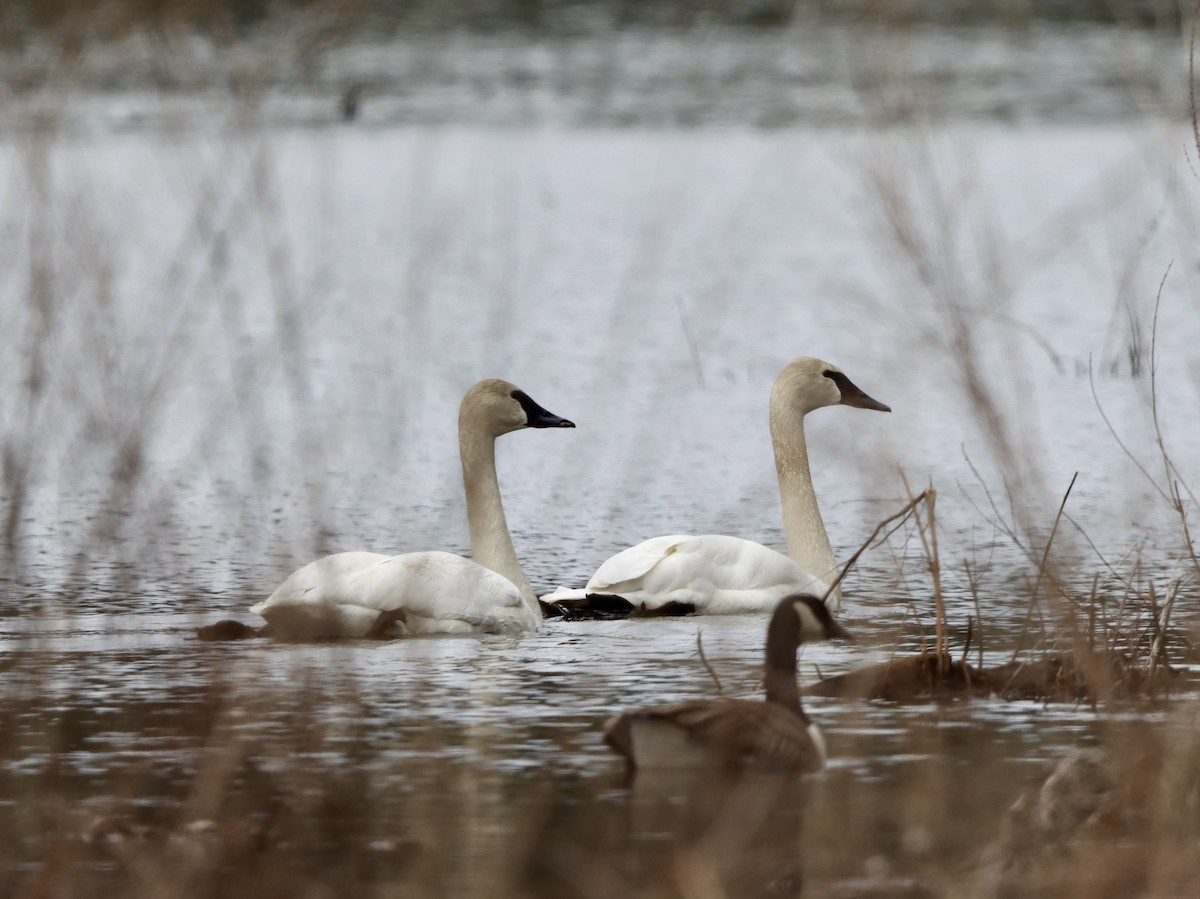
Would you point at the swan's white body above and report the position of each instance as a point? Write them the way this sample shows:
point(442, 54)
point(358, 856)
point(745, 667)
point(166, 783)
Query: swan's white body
point(352, 594)
point(439, 593)
point(720, 575)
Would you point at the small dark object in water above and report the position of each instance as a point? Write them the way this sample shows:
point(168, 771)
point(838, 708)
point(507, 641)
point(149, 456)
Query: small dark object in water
point(348, 104)
point(228, 629)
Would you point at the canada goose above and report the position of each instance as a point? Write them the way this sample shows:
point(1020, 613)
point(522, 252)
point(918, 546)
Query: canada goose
point(719, 575)
point(358, 594)
point(775, 734)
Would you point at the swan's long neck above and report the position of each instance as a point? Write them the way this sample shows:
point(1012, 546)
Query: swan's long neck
point(491, 543)
point(807, 540)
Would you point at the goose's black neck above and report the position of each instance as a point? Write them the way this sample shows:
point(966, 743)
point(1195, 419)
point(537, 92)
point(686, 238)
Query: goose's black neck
point(783, 639)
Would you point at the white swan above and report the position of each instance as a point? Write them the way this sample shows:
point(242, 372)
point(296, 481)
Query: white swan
point(738, 732)
point(720, 575)
point(358, 594)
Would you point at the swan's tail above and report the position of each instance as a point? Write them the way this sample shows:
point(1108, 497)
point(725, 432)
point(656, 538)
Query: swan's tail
point(564, 593)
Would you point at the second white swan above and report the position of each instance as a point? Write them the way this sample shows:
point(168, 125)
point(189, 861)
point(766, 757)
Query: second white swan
point(359, 594)
point(716, 574)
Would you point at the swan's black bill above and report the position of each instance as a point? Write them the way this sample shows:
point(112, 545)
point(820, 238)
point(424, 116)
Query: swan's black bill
point(852, 395)
point(536, 416)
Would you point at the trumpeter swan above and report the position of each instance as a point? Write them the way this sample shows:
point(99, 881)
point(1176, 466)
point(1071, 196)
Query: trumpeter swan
point(738, 732)
point(357, 594)
point(720, 575)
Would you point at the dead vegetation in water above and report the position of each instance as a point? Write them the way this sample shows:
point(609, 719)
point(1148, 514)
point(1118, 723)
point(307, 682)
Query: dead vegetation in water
point(1094, 628)
point(1083, 653)
point(1051, 677)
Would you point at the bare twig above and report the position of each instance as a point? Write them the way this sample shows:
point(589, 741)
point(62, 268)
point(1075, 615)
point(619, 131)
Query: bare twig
point(929, 545)
point(1161, 622)
point(1112, 569)
point(898, 517)
point(935, 571)
point(1117, 437)
point(973, 583)
point(1008, 528)
point(704, 661)
point(1033, 598)
point(1183, 523)
point(1170, 470)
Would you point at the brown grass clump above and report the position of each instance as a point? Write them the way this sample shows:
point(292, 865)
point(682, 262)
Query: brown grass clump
point(1083, 657)
point(1100, 675)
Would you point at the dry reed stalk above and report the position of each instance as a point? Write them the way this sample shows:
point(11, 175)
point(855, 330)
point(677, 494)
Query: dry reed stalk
point(927, 531)
point(935, 571)
point(973, 584)
point(1043, 567)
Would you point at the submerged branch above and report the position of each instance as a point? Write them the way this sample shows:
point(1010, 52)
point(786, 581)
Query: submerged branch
point(704, 661)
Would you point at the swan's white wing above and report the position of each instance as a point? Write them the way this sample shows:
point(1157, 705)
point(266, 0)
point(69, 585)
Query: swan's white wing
point(631, 564)
point(717, 574)
point(625, 567)
point(342, 595)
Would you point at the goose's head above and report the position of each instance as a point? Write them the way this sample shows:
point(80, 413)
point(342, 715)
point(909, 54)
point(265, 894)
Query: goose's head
point(797, 619)
point(806, 619)
point(499, 407)
point(806, 384)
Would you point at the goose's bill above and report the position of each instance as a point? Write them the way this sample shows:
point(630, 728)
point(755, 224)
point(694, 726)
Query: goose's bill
point(537, 417)
point(852, 396)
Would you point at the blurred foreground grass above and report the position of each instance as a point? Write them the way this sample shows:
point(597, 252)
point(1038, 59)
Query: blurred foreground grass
point(280, 791)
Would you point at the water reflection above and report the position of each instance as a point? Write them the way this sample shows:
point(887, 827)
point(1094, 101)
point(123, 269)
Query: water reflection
point(704, 832)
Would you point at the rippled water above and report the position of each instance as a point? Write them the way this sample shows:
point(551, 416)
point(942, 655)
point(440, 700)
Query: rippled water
point(291, 315)
point(486, 742)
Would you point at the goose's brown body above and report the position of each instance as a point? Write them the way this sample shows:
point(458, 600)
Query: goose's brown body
point(775, 734)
